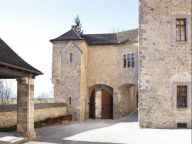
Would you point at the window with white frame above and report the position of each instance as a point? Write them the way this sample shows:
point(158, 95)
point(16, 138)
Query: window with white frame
point(129, 60)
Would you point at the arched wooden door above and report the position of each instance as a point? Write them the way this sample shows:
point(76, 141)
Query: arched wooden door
point(107, 105)
point(92, 105)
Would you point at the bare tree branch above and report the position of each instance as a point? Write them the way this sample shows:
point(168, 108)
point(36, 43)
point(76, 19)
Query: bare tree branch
point(5, 91)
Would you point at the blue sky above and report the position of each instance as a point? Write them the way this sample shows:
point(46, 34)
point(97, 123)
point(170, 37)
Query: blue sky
point(28, 25)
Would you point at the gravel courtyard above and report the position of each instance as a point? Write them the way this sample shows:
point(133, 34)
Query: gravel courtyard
point(123, 131)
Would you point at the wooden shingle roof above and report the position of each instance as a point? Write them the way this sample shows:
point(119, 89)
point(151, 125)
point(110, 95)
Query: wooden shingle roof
point(10, 59)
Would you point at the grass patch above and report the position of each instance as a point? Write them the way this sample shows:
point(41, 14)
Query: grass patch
point(47, 122)
point(39, 124)
point(14, 128)
point(8, 129)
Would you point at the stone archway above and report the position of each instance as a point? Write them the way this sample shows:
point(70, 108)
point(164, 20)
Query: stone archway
point(101, 102)
point(127, 99)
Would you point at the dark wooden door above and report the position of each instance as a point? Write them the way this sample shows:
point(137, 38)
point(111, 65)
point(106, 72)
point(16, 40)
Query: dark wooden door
point(92, 105)
point(107, 105)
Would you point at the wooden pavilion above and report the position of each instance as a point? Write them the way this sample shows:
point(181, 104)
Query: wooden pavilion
point(13, 66)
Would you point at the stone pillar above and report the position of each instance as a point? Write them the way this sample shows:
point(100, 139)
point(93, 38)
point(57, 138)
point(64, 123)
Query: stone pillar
point(25, 107)
point(116, 102)
point(57, 91)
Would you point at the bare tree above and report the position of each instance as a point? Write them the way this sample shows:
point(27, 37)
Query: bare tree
point(43, 98)
point(5, 91)
point(1, 92)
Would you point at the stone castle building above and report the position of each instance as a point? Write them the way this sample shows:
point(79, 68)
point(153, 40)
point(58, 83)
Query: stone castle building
point(102, 75)
point(165, 68)
point(96, 74)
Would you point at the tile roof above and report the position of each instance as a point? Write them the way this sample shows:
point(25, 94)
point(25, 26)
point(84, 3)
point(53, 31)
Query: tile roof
point(9, 58)
point(128, 36)
point(70, 35)
point(101, 39)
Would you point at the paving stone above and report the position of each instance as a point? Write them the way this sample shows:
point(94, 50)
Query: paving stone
point(121, 131)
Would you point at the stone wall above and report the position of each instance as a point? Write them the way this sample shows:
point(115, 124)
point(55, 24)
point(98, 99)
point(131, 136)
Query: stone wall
point(105, 67)
point(127, 99)
point(69, 77)
point(164, 63)
point(8, 113)
point(91, 66)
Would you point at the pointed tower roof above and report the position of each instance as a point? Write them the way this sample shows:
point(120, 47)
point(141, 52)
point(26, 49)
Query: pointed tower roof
point(70, 35)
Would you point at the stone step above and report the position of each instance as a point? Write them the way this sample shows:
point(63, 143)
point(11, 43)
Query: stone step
point(12, 140)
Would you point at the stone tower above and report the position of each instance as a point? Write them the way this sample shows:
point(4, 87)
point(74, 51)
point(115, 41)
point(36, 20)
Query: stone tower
point(69, 72)
point(165, 63)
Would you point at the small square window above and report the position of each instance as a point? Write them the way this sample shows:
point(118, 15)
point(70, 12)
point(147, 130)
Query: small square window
point(182, 96)
point(70, 100)
point(71, 57)
point(129, 60)
point(181, 125)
